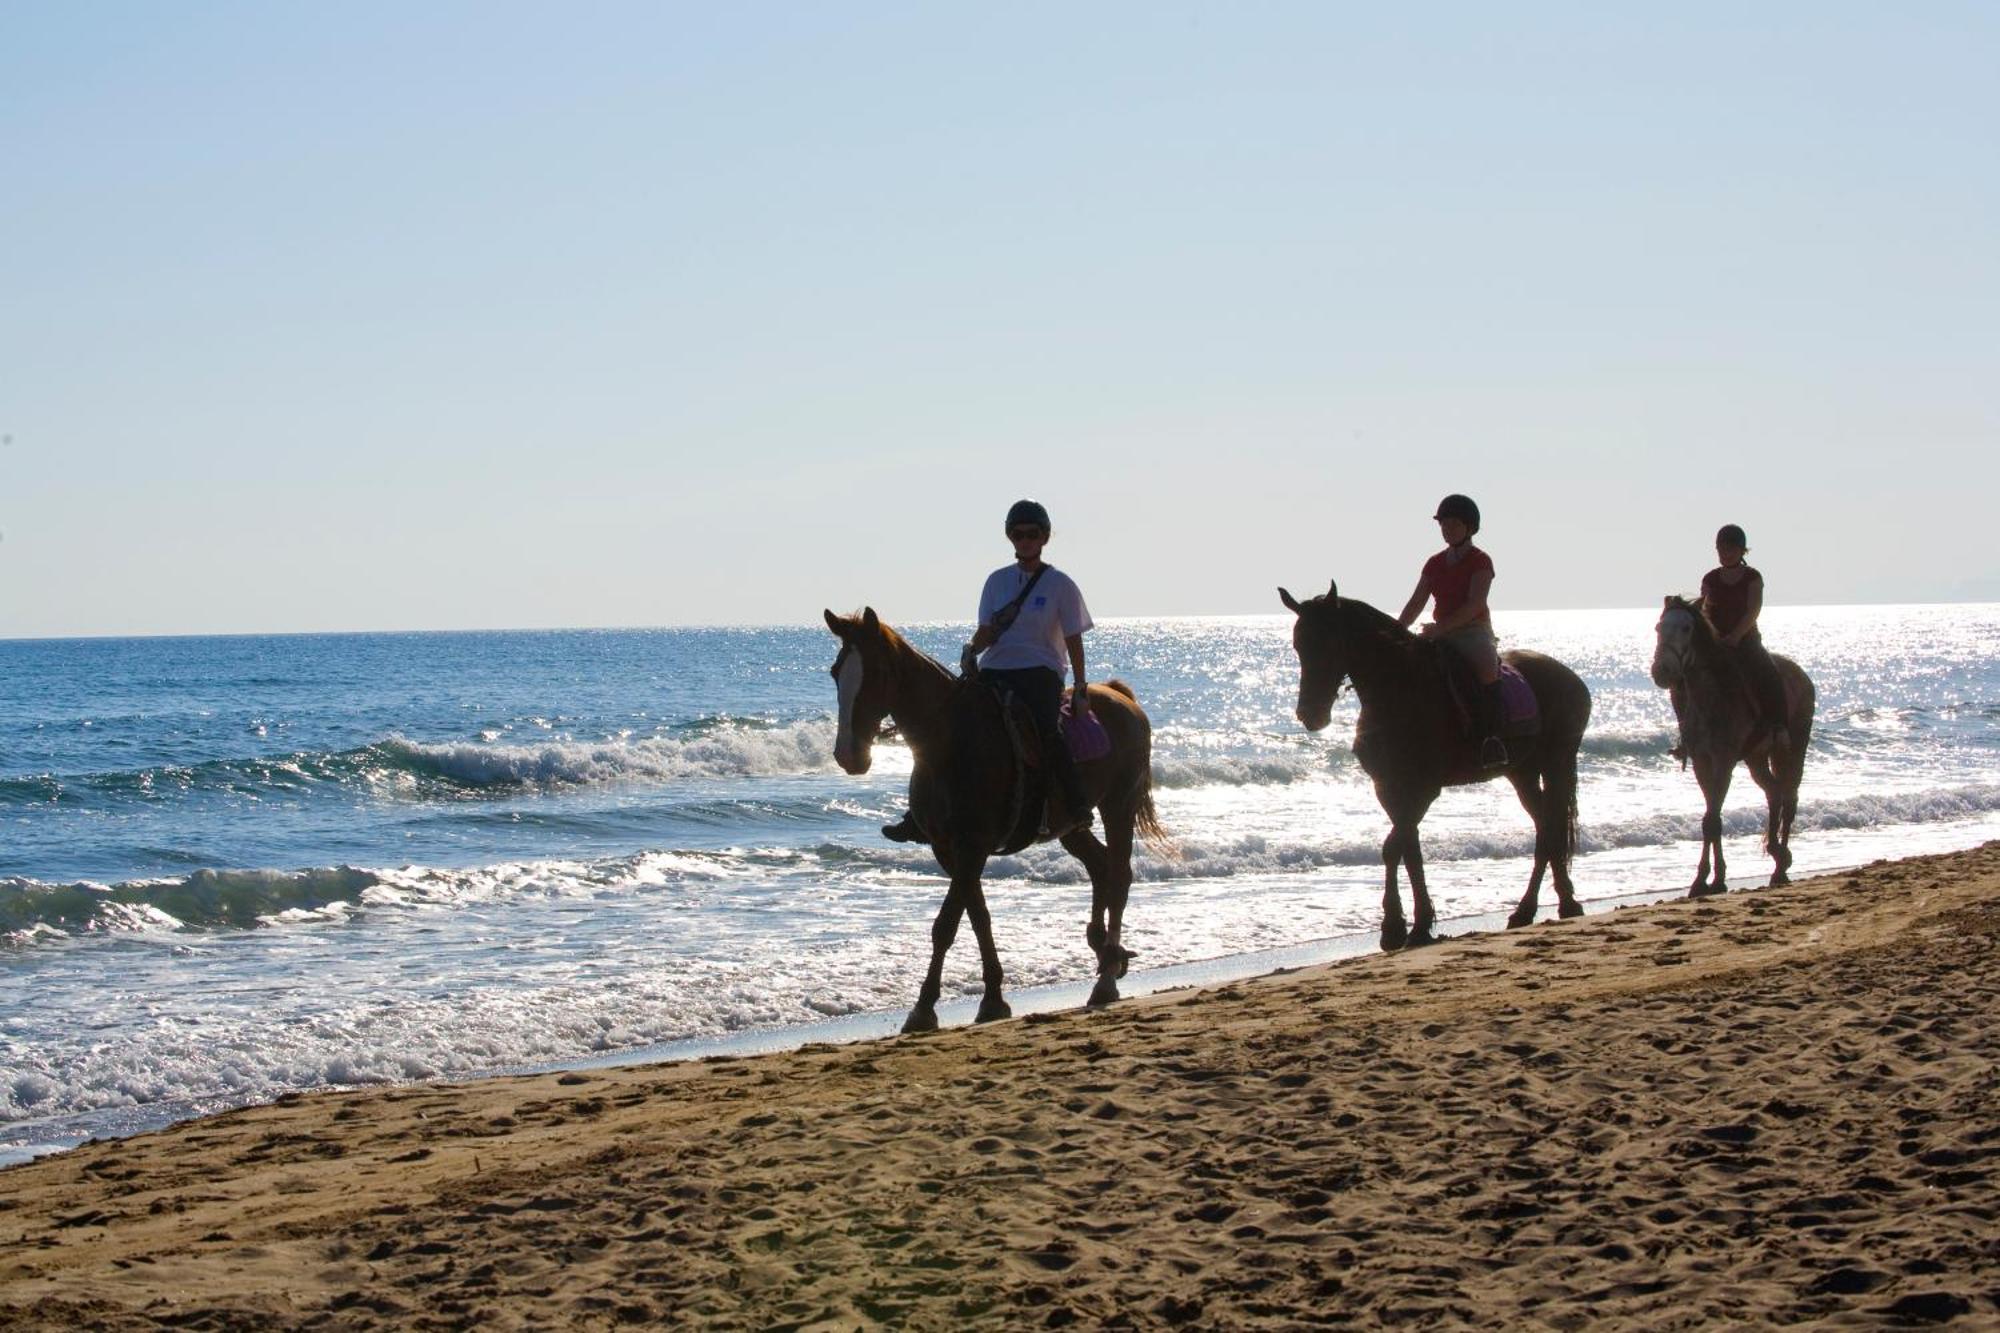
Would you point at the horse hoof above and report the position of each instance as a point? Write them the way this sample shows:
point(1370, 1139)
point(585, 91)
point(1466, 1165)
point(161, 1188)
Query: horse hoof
point(993, 1010)
point(1393, 936)
point(1104, 993)
point(1520, 918)
point(1708, 890)
point(1780, 879)
point(1570, 909)
point(923, 1018)
point(1420, 937)
point(1124, 964)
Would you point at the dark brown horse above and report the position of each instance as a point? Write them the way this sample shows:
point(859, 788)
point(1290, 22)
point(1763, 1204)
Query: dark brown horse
point(1412, 740)
point(963, 793)
point(1720, 727)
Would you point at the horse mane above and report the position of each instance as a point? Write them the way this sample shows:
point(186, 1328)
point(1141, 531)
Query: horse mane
point(1707, 642)
point(902, 647)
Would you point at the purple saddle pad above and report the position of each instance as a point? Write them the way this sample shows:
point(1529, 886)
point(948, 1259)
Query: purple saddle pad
point(1086, 737)
point(1517, 697)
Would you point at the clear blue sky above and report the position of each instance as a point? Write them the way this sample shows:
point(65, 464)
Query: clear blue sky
point(373, 316)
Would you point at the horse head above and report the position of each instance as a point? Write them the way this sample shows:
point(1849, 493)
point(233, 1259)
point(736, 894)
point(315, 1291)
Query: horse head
point(1674, 640)
point(864, 678)
point(1319, 640)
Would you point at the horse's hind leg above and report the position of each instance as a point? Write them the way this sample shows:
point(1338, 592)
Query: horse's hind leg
point(1776, 834)
point(1529, 788)
point(1559, 824)
point(1110, 881)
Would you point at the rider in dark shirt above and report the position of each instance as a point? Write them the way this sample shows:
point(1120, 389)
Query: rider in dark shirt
point(1732, 596)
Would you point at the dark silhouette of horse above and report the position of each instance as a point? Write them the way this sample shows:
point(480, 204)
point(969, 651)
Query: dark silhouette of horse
point(965, 795)
point(1411, 738)
point(1720, 726)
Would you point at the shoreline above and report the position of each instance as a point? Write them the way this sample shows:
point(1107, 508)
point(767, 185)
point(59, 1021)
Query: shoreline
point(67, 1133)
point(1770, 1106)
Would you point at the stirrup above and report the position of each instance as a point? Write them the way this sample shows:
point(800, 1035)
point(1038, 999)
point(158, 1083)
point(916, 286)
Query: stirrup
point(1493, 753)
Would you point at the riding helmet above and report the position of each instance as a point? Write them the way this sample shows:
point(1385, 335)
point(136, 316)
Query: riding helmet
point(1027, 513)
point(1731, 535)
point(1461, 508)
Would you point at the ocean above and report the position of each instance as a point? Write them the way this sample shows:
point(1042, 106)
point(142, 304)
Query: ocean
point(232, 868)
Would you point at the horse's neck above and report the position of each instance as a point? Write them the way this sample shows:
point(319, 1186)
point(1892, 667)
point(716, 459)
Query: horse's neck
point(1382, 665)
point(923, 700)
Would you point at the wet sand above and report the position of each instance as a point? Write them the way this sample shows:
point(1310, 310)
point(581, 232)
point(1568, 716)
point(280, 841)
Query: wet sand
point(1766, 1108)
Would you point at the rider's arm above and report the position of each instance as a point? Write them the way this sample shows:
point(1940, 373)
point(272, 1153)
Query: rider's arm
point(1080, 702)
point(1748, 625)
point(1415, 606)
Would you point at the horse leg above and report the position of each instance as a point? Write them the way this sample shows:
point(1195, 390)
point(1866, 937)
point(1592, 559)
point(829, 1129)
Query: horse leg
point(1424, 920)
point(1774, 814)
point(1714, 779)
point(1559, 823)
point(992, 1004)
point(1107, 905)
point(1394, 932)
point(1533, 799)
point(944, 930)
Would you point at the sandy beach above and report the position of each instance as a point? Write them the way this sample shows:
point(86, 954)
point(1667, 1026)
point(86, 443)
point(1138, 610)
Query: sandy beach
point(1773, 1107)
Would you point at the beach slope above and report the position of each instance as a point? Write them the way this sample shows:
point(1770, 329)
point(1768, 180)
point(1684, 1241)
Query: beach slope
point(1766, 1108)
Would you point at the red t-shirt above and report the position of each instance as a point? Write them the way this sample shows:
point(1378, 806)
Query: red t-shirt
point(1451, 584)
point(1726, 603)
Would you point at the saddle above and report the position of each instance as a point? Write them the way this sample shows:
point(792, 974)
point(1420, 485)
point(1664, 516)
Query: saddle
point(1030, 795)
point(1519, 714)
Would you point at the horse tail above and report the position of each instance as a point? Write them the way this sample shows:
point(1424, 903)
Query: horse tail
point(1146, 819)
point(1145, 816)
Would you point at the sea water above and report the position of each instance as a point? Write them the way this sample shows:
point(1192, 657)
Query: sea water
point(236, 867)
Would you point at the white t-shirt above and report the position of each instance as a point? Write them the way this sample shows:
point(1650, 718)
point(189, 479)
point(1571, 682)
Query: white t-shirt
point(1053, 612)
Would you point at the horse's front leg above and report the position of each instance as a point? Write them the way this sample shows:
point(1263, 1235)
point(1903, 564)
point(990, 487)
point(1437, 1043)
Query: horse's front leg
point(992, 1004)
point(1394, 932)
point(1529, 789)
point(1424, 922)
point(944, 930)
point(1714, 780)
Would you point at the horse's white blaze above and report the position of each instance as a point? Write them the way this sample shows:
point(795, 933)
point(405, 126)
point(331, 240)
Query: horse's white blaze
point(848, 687)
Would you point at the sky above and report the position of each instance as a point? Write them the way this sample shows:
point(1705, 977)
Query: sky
point(376, 316)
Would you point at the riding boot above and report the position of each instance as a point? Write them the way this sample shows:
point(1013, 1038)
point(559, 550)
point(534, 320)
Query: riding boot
point(1076, 812)
point(1492, 750)
point(906, 829)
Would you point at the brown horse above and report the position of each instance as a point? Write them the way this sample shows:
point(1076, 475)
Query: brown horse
point(1410, 738)
point(964, 794)
point(1720, 727)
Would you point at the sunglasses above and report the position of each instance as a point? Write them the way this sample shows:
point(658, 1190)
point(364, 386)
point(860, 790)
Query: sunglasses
point(1026, 534)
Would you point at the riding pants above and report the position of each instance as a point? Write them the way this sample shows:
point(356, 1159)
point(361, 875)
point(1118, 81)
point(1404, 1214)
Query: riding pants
point(1042, 691)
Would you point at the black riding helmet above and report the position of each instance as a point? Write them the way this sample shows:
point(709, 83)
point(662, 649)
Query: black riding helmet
point(1027, 513)
point(1461, 508)
point(1731, 535)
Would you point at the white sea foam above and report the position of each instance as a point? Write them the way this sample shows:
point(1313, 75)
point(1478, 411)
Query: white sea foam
point(729, 752)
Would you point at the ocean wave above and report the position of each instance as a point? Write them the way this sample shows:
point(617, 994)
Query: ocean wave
point(205, 900)
point(720, 748)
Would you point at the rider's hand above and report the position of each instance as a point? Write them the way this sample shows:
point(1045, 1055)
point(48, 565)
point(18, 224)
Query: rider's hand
point(968, 661)
point(1079, 702)
point(1428, 630)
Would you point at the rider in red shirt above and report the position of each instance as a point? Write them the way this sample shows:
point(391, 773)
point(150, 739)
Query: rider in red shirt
point(1732, 596)
point(1459, 577)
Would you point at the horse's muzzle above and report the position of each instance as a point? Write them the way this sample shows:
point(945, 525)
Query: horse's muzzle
point(854, 762)
point(1313, 719)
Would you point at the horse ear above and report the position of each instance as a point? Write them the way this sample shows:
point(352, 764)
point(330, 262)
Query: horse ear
point(868, 620)
point(835, 623)
point(1290, 601)
point(1332, 591)
point(1666, 603)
